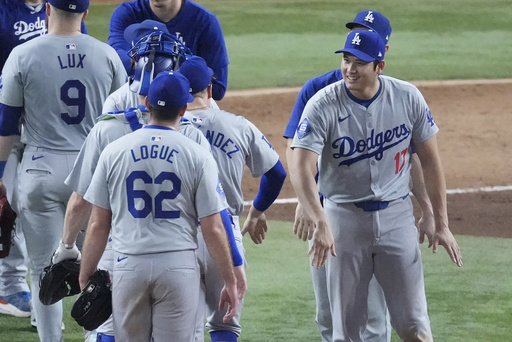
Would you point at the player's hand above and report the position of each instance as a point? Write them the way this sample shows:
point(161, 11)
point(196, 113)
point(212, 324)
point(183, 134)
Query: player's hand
point(241, 281)
point(322, 244)
point(3, 189)
point(256, 225)
point(63, 253)
point(427, 227)
point(303, 226)
point(444, 237)
point(229, 299)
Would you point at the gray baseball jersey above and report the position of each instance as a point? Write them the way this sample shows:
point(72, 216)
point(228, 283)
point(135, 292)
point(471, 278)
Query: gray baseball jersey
point(235, 142)
point(157, 183)
point(352, 139)
point(124, 98)
point(59, 114)
point(111, 127)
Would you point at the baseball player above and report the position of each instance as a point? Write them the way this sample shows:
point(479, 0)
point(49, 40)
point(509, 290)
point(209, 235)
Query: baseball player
point(152, 186)
point(20, 21)
point(110, 127)
point(194, 26)
point(362, 127)
point(59, 96)
point(236, 143)
point(378, 328)
point(123, 97)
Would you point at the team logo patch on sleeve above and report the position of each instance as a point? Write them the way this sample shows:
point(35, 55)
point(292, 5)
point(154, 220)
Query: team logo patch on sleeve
point(220, 189)
point(430, 118)
point(303, 129)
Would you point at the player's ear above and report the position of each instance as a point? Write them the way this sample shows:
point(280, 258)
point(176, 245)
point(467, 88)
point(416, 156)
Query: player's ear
point(146, 102)
point(380, 66)
point(47, 9)
point(85, 15)
point(210, 91)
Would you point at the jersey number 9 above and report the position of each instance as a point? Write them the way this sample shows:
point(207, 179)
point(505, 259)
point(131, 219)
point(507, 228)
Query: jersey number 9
point(148, 202)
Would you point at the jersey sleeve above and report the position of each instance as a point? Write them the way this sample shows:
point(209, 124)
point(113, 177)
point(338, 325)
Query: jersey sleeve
point(11, 81)
point(311, 131)
point(424, 126)
point(210, 197)
point(304, 95)
point(212, 48)
point(121, 18)
point(98, 193)
point(261, 155)
point(86, 162)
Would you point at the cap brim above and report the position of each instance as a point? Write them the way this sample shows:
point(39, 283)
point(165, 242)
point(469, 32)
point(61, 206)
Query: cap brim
point(361, 55)
point(351, 24)
point(190, 98)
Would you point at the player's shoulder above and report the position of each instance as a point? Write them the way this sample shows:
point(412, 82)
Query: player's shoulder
point(396, 84)
point(324, 80)
point(191, 7)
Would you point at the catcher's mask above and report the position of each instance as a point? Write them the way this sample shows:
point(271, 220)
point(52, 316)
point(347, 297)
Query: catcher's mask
point(154, 53)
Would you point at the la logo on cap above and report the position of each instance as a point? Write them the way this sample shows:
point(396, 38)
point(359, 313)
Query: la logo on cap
point(72, 7)
point(356, 40)
point(369, 17)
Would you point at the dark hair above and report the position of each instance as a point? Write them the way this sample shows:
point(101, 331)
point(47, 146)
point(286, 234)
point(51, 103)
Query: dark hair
point(375, 63)
point(164, 114)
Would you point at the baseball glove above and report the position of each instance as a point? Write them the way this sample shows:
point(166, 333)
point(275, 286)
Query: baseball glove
point(94, 304)
point(7, 218)
point(58, 281)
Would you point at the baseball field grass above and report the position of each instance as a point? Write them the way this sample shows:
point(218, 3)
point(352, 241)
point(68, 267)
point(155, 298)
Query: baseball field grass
point(472, 303)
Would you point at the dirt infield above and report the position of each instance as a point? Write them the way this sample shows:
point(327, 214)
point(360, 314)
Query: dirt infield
point(475, 123)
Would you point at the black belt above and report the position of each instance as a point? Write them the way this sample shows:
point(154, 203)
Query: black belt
point(374, 205)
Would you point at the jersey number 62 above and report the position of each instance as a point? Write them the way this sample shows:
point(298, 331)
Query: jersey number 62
point(148, 202)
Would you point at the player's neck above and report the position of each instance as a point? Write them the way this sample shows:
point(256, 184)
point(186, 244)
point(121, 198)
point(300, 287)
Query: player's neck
point(198, 104)
point(168, 11)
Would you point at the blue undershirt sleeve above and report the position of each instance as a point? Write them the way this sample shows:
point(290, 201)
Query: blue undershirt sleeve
point(9, 120)
point(228, 225)
point(270, 187)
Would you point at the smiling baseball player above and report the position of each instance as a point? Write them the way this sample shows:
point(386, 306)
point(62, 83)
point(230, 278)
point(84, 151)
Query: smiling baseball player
point(152, 186)
point(362, 127)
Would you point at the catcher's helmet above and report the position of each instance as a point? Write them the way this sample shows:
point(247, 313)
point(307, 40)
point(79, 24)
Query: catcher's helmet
point(154, 53)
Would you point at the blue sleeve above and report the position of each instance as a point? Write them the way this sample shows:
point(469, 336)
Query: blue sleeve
point(228, 225)
point(270, 187)
point(212, 48)
point(304, 95)
point(10, 120)
point(120, 20)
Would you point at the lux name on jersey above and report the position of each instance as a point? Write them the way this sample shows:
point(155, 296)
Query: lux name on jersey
point(72, 60)
point(155, 151)
point(219, 140)
point(377, 143)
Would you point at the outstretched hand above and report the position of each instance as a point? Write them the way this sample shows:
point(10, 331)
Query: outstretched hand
point(427, 227)
point(445, 238)
point(303, 226)
point(322, 244)
point(256, 225)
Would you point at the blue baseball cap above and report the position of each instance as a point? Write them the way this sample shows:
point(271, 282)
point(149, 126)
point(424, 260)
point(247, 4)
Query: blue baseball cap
point(372, 20)
point(75, 6)
point(134, 32)
point(169, 90)
point(197, 72)
point(368, 46)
